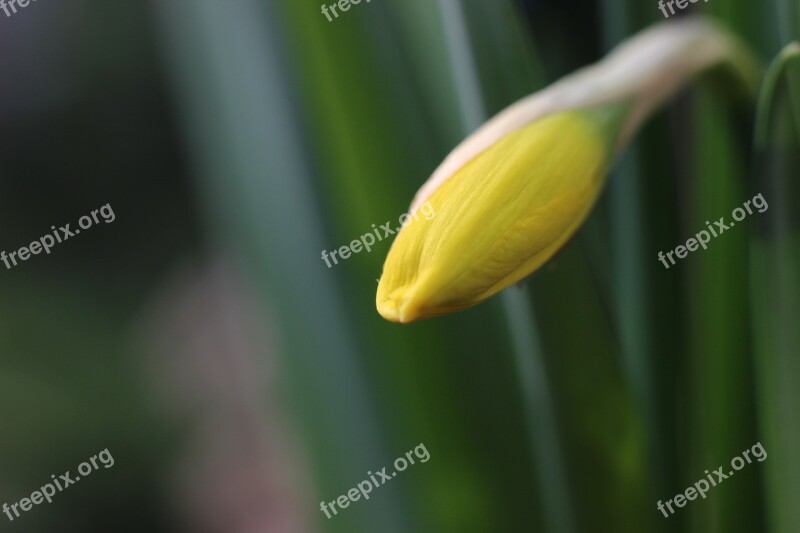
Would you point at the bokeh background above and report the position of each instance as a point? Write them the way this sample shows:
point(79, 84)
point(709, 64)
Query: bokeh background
point(237, 381)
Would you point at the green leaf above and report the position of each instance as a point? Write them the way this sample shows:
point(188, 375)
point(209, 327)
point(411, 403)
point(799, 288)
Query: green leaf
point(775, 290)
point(775, 74)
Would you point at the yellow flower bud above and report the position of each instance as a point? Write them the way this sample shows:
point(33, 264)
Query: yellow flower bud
point(514, 192)
point(498, 219)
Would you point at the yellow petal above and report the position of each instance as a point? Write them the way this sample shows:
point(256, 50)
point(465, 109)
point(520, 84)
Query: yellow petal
point(498, 218)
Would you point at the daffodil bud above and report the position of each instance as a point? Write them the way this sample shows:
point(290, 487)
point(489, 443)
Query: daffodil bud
point(514, 192)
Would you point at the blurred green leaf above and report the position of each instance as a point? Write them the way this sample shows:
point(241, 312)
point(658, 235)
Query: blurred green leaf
point(775, 290)
point(719, 389)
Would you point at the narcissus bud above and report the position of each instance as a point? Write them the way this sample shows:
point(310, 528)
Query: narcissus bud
point(513, 193)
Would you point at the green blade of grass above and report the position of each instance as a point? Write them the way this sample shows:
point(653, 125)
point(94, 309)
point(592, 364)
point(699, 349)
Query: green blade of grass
point(540, 413)
point(766, 99)
point(775, 292)
point(719, 412)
